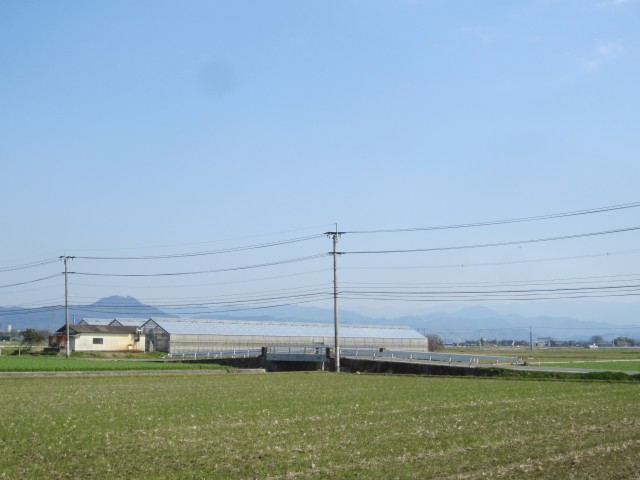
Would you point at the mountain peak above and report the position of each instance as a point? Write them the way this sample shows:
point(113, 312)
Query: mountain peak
point(117, 300)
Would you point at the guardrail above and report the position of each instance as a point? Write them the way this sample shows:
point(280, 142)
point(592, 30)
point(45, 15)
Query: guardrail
point(237, 353)
point(316, 353)
point(297, 353)
point(298, 349)
point(429, 356)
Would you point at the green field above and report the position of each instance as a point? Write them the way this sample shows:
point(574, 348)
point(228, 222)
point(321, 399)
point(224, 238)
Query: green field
point(317, 425)
point(62, 364)
point(613, 365)
point(556, 354)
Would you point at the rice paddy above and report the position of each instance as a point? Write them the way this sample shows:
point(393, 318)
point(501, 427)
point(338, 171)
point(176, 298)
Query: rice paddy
point(317, 425)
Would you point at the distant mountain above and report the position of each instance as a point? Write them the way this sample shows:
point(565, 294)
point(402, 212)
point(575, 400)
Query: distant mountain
point(481, 322)
point(283, 313)
point(469, 323)
point(53, 317)
point(117, 306)
point(594, 310)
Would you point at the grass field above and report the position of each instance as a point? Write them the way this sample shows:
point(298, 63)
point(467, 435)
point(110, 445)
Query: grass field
point(317, 425)
point(613, 365)
point(612, 359)
point(556, 354)
point(62, 364)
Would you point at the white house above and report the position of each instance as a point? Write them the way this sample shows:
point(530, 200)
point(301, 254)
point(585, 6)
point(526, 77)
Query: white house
point(101, 338)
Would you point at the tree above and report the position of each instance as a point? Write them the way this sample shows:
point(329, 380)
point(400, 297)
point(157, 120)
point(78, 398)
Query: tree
point(30, 336)
point(597, 340)
point(435, 342)
point(624, 342)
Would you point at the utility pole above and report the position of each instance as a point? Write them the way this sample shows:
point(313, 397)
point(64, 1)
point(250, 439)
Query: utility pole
point(65, 259)
point(335, 236)
point(530, 339)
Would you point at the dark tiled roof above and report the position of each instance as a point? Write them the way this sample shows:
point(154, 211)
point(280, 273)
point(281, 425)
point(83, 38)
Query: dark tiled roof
point(97, 329)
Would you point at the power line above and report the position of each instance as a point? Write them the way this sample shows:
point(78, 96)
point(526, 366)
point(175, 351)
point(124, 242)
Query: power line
point(502, 222)
point(30, 311)
point(246, 267)
point(496, 244)
point(255, 296)
point(316, 227)
point(30, 290)
point(30, 281)
point(211, 252)
point(227, 310)
point(38, 303)
point(634, 287)
point(166, 302)
point(223, 302)
point(494, 299)
point(28, 265)
point(273, 306)
point(551, 281)
point(493, 264)
point(251, 280)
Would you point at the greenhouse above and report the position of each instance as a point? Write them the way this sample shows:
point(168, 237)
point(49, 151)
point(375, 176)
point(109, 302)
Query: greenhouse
point(175, 335)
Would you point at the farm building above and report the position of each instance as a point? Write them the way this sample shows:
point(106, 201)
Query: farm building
point(193, 335)
point(100, 338)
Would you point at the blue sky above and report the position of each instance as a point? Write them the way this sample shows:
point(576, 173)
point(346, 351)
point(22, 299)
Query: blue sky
point(128, 126)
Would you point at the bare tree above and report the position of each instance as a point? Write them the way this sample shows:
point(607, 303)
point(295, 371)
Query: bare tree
point(435, 342)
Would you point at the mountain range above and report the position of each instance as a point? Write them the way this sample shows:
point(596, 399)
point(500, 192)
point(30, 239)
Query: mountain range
point(463, 324)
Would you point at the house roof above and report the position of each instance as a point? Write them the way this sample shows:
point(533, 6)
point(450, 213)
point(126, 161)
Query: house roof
point(183, 326)
point(102, 329)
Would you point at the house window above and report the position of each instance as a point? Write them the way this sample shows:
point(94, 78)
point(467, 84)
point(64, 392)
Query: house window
point(98, 341)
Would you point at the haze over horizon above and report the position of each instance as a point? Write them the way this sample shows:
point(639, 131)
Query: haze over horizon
point(196, 154)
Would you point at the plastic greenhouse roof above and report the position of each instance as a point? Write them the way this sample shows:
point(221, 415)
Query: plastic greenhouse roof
point(97, 321)
point(184, 326)
point(125, 322)
point(129, 322)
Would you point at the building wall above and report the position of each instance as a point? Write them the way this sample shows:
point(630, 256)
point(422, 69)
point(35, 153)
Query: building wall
point(106, 342)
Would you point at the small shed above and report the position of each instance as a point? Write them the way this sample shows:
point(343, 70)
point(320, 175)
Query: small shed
point(100, 338)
